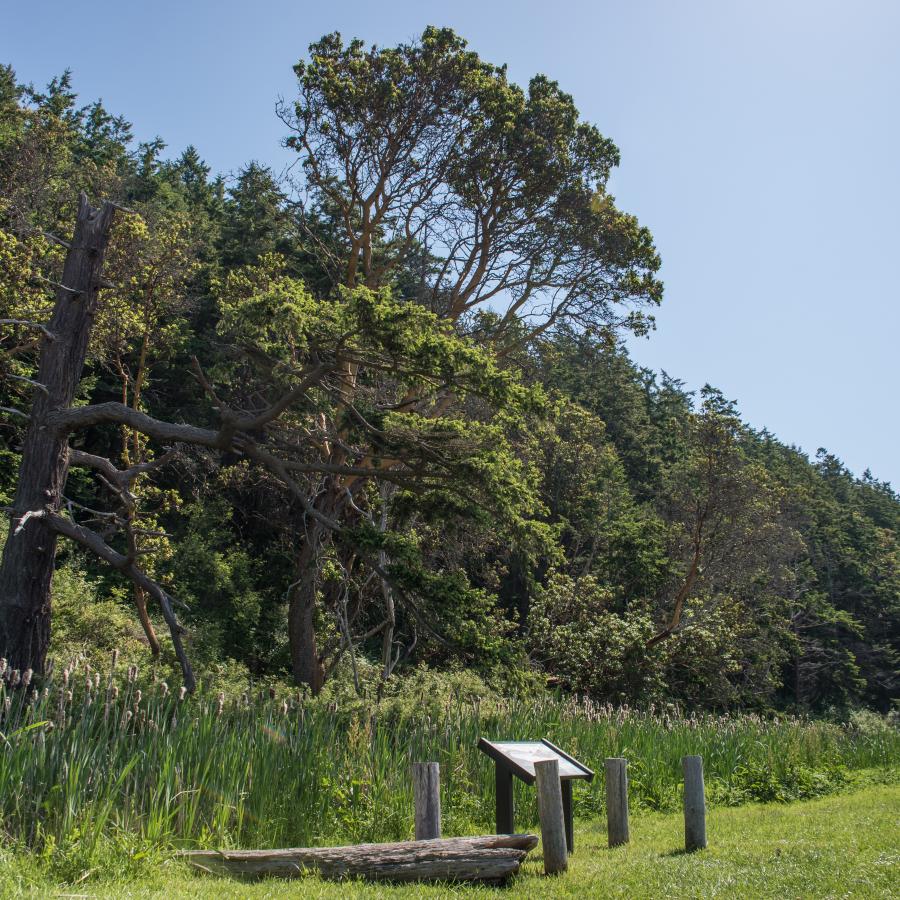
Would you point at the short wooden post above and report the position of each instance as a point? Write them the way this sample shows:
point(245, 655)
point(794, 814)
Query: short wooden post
point(617, 801)
point(694, 804)
point(550, 809)
point(427, 796)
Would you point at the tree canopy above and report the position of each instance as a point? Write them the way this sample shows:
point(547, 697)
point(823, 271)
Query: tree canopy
point(384, 411)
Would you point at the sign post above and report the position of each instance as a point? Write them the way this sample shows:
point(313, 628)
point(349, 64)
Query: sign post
point(518, 758)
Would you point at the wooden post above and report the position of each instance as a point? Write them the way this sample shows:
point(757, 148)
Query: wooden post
point(427, 796)
point(617, 801)
point(568, 814)
point(505, 808)
point(694, 804)
point(550, 808)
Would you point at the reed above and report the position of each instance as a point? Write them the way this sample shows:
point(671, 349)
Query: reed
point(93, 757)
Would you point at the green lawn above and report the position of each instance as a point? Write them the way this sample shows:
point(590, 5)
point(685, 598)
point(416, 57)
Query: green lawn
point(842, 846)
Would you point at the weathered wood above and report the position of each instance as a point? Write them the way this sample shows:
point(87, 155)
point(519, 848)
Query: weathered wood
point(617, 801)
point(550, 810)
point(427, 797)
point(28, 555)
point(491, 858)
point(694, 804)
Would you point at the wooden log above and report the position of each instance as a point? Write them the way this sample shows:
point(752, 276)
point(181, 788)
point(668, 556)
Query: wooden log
point(490, 858)
point(617, 801)
point(550, 810)
point(694, 804)
point(427, 797)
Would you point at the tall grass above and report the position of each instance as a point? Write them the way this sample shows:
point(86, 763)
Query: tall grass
point(98, 757)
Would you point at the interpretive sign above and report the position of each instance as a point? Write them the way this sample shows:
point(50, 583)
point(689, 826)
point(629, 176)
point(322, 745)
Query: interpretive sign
point(518, 758)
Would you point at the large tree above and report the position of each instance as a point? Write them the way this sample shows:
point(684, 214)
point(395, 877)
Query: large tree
point(479, 200)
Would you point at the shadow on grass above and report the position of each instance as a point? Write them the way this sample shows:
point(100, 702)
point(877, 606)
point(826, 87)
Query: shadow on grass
point(682, 852)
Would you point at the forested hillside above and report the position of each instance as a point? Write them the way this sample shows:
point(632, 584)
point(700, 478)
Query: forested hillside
point(425, 443)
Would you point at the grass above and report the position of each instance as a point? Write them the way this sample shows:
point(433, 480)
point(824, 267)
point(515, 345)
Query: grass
point(99, 770)
point(840, 846)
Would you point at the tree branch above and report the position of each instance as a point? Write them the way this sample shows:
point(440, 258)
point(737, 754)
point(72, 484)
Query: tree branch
point(93, 542)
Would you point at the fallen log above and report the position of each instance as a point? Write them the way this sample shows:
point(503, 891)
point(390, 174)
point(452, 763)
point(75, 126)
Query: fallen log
point(491, 858)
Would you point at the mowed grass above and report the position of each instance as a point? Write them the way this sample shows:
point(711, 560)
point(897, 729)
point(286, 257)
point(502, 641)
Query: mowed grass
point(841, 846)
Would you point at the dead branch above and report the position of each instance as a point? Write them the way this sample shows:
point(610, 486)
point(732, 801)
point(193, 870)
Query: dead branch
point(93, 542)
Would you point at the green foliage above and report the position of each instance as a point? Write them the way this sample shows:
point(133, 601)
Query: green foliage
point(543, 506)
point(588, 646)
point(91, 627)
point(99, 755)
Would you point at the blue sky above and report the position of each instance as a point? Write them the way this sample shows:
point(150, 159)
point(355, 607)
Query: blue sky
point(760, 143)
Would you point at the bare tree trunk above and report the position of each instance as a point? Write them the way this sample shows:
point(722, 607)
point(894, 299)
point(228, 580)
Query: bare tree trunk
point(306, 663)
point(28, 557)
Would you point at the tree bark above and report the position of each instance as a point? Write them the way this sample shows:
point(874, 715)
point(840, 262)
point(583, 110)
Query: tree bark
point(28, 556)
point(306, 663)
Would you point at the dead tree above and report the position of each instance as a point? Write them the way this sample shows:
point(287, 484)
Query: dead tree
point(28, 556)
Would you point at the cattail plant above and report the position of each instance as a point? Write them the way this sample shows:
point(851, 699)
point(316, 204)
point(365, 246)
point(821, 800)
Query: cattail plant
point(174, 769)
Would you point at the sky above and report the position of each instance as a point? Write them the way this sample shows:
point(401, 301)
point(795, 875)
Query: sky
point(760, 144)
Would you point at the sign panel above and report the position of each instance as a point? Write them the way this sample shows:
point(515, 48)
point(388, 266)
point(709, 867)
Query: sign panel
point(520, 757)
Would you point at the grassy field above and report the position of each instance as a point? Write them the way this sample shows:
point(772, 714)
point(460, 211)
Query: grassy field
point(840, 846)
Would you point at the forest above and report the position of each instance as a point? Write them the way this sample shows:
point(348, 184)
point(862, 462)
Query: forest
point(374, 419)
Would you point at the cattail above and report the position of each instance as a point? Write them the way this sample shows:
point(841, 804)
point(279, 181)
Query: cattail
point(271, 693)
point(115, 659)
point(164, 689)
point(3, 665)
point(182, 692)
point(221, 703)
point(68, 697)
point(115, 692)
point(96, 681)
point(66, 676)
point(14, 678)
point(126, 719)
point(26, 677)
point(7, 705)
point(132, 674)
point(284, 707)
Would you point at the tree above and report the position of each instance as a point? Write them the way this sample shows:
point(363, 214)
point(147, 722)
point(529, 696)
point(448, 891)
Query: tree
point(30, 548)
point(723, 512)
point(425, 152)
